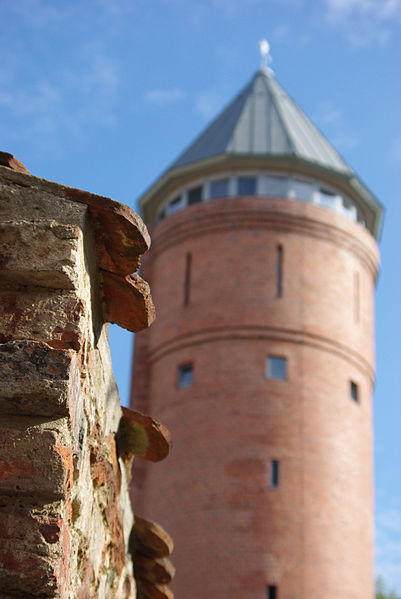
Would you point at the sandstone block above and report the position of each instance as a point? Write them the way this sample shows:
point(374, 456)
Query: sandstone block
point(25, 574)
point(24, 526)
point(43, 253)
point(37, 379)
point(20, 201)
point(121, 235)
point(33, 460)
point(56, 318)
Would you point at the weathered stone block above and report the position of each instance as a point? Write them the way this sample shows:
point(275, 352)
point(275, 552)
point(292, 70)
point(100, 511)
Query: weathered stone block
point(57, 318)
point(24, 202)
point(37, 379)
point(43, 253)
point(34, 548)
point(33, 460)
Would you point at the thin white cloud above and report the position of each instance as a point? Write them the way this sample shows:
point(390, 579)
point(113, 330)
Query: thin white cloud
point(164, 96)
point(364, 22)
point(208, 103)
point(328, 114)
point(47, 110)
point(396, 151)
point(330, 118)
point(280, 33)
point(37, 13)
point(116, 8)
point(388, 547)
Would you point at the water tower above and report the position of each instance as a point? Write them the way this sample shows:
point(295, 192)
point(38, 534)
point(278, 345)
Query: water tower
point(261, 360)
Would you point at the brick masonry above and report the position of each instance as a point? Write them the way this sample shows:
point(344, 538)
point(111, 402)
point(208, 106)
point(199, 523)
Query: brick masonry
point(234, 535)
point(66, 447)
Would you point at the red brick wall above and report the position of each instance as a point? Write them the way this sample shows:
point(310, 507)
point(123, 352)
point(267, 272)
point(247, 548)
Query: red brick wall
point(234, 535)
point(65, 514)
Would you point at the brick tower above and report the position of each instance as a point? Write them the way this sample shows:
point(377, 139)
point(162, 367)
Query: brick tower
point(261, 359)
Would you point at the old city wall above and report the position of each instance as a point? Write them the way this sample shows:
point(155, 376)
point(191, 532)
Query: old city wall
point(66, 445)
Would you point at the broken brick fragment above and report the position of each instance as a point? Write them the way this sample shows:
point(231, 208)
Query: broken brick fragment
point(127, 301)
point(10, 161)
point(150, 539)
point(146, 590)
point(142, 436)
point(157, 570)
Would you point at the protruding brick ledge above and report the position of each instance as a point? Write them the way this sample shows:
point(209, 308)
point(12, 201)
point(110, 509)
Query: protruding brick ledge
point(142, 436)
point(121, 239)
point(151, 545)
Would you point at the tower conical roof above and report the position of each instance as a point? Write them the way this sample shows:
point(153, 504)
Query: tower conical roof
point(263, 128)
point(263, 120)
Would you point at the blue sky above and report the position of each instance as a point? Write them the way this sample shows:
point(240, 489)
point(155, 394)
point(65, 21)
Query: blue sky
point(104, 94)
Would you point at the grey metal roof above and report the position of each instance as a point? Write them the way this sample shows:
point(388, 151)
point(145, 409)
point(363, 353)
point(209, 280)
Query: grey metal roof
point(261, 120)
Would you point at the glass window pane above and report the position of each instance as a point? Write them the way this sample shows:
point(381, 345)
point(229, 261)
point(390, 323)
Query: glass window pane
point(194, 195)
point(277, 368)
point(302, 190)
point(185, 375)
point(328, 199)
point(174, 205)
point(219, 188)
point(275, 186)
point(246, 186)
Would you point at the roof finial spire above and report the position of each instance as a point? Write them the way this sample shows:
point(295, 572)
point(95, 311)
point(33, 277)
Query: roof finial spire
point(264, 48)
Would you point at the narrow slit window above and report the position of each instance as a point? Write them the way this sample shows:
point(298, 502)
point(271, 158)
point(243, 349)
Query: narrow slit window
point(279, 287)
point(187, 280)
point(274, 474)
point(356, 297)
point(272, 592)
point(354, 391)
point(185, 375)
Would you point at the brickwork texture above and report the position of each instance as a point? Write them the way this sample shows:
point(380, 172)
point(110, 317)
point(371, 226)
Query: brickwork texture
point(235, 534)
point(66, 447)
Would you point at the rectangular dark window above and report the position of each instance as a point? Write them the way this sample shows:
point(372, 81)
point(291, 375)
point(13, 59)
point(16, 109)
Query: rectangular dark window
point(274, 474)
point(246, 186)
point(219, 188)
point(185, 375)
point(272, 592)
point(354, 392)
point(276, 368)
point(279, 282)
point(194, 195)
point(187, 281)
